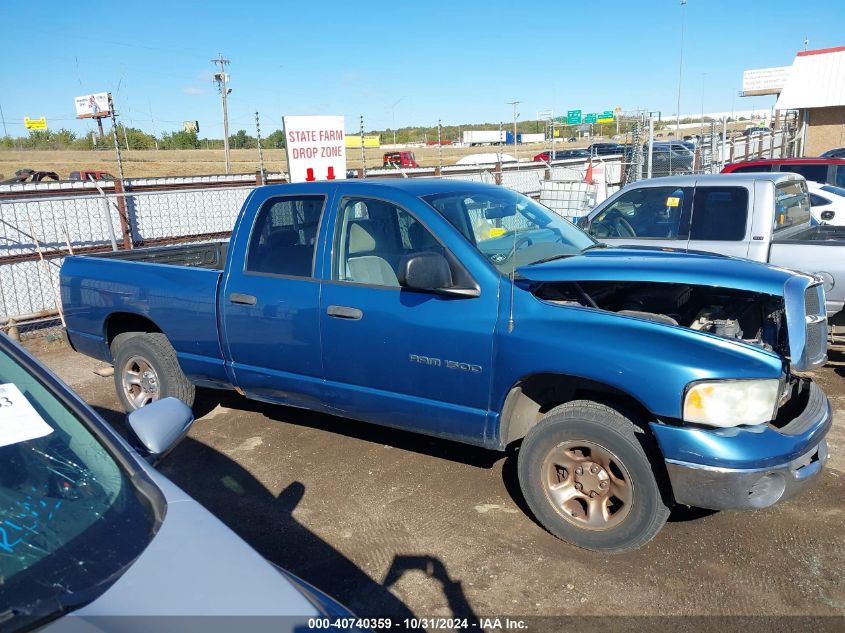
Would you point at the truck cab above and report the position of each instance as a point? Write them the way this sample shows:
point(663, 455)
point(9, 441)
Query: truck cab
point(400, 159)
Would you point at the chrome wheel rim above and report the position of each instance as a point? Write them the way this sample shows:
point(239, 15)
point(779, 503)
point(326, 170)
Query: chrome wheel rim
point(587, 485)
point(140, 382)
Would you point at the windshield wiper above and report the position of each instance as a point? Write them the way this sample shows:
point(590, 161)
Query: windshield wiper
point(596, 245)
point(552, 258)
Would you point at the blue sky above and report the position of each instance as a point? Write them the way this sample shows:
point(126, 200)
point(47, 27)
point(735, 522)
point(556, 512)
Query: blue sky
point(459, 61)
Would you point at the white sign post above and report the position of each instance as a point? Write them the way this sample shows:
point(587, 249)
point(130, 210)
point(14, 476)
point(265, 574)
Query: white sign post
point(315, 148)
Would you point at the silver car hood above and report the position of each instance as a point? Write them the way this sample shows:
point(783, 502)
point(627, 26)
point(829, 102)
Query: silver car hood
point(195, 565)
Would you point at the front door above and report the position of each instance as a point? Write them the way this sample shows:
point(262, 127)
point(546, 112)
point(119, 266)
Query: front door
point(270, 303)
point(402, 358)
point(646, 216)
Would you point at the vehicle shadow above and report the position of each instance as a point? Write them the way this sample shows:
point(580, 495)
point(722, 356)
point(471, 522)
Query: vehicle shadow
point(208, 399)
point(266, 522)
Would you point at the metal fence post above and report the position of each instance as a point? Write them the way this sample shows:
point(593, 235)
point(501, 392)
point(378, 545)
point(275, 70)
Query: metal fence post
point(124, 218)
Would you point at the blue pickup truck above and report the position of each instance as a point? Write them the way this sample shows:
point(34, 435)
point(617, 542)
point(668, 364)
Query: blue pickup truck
point(628, 379)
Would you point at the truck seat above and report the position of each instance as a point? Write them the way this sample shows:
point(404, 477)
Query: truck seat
point(281, 254)
point(362, 265)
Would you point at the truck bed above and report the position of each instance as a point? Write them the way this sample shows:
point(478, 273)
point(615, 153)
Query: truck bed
point(821, 235)
point(207, 255)
point(174, 288)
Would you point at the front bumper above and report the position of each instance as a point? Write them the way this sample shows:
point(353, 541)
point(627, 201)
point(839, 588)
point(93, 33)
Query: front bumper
point(747, 468)
point(744, 489)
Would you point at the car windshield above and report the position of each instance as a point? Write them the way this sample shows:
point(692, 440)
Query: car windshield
point(70, 517)
point(510, 229)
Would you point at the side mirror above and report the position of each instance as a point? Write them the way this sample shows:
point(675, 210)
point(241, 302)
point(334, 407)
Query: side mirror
point(583, 223)
point(160, 426)
point(430, 272)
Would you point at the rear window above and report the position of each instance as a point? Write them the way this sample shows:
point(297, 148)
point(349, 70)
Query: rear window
point(792, 205)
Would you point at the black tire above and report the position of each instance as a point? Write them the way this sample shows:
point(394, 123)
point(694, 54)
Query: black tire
point(589, 433)
point(162, 370)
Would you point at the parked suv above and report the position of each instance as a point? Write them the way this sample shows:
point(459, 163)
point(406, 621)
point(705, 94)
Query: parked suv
point(400, 159)
point(830, 171)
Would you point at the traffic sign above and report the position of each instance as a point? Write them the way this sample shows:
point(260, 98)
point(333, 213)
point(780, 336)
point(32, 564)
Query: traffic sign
point(590, 118)
point(573, 117)
point(605, 117)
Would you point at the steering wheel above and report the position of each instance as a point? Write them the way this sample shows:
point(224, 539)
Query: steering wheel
point(623, 228)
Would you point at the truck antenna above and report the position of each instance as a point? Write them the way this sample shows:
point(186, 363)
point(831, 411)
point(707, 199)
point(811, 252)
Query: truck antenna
point(513, 277)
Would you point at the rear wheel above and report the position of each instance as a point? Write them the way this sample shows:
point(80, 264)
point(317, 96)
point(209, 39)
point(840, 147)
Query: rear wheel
point(588, 480)
point(146, 370)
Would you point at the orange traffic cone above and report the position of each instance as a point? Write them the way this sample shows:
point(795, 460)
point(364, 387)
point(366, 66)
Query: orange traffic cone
point(588, 177)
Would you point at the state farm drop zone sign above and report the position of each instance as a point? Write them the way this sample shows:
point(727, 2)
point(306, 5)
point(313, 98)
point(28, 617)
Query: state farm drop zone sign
point(315, 147)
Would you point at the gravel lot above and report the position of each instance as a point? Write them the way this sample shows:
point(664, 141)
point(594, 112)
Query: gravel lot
point(396, 524)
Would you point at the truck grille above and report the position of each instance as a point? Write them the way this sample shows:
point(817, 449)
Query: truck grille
point(816, 319)
point(806, 323)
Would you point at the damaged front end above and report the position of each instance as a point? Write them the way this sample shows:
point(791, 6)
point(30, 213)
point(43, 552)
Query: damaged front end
point(751, 317)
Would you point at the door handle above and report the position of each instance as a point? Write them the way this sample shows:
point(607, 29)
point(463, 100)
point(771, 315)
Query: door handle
point(237, 297)
point(344, 312)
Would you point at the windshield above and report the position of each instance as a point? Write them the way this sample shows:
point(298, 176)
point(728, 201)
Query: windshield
point(510, 229)
point(70, 518)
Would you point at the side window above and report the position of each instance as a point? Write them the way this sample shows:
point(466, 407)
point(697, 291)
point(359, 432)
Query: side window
point(816, 173)
point(818, 201)
point(372, 238)
point(284, 235)
point(649, 212)
point(719, 213)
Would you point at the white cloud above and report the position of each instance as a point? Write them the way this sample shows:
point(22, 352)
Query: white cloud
point(193, 91)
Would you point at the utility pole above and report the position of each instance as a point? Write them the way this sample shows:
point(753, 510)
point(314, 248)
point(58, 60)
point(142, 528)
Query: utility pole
point(680, 71)
point(3, 118)
point(515, 114)
point(260, 154)
point(222, 80)
point(363, 151)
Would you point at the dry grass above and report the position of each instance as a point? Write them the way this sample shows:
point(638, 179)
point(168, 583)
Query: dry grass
point(141, 163)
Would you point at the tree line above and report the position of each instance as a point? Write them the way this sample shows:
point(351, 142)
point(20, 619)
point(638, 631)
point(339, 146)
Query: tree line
point(133, 138)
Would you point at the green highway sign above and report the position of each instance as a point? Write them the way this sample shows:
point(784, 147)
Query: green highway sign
point(573, 117)
point(605, 117)
point(590, 118)
point(560, 119)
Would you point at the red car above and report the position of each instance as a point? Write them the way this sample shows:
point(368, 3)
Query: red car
point(830, 171)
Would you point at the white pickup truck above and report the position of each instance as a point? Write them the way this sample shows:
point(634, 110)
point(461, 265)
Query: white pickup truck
point(759, 216)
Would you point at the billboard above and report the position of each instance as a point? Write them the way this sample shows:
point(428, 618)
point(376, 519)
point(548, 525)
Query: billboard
point(35, 124)
point(354, 140)
point(315, 147)
point(191, 126)
point(764, 81)
point(92, 106)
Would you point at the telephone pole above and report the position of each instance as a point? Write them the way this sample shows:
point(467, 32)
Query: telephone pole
point(515, 114)
point(222, 80)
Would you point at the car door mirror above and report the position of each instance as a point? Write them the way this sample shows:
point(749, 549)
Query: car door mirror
point(430, 272)
point(160, 426)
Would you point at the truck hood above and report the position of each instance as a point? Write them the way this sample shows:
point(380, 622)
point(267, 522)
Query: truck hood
point(661, 265)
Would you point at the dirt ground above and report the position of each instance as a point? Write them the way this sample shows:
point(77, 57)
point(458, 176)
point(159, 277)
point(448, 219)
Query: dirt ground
point(396, 524)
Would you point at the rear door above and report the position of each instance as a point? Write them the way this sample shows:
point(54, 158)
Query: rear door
point(270, 299)
point(720, 220)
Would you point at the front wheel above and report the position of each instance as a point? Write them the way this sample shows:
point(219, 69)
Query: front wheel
point(588, 480)
point(146, 370)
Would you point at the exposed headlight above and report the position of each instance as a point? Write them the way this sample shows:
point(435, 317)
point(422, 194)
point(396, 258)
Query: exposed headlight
point(731, 402)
